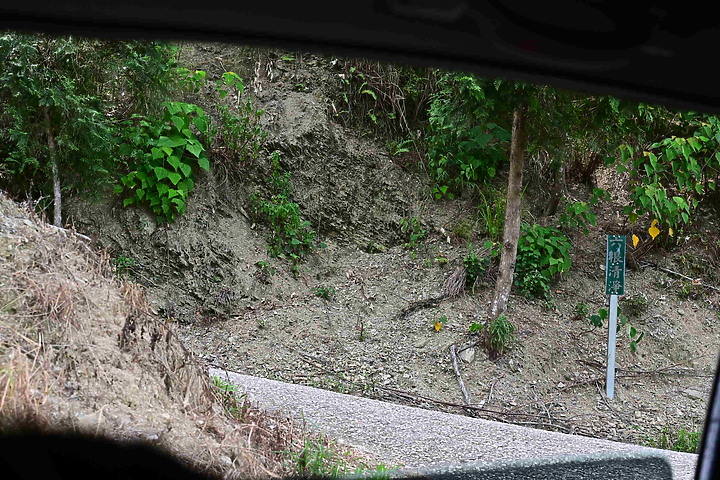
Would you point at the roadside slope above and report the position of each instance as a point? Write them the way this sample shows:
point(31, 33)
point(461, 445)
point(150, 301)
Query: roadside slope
point(81, 351)
point(411, 437)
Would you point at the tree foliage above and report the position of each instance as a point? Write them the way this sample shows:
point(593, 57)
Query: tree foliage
point(72, 91)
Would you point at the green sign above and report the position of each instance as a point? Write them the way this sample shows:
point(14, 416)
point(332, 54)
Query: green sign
point(615, 265)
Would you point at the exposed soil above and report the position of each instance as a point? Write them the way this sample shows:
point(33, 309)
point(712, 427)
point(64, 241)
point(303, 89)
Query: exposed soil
point(202, 272)
point(80, 352)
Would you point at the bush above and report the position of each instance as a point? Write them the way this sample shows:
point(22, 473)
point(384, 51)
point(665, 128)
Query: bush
point(292, 237)
point(163, 154)
point(542, 255)
point(464, 147)
point(476, 265)
point(681, 440)
point(500, 335)
point(324, 292)
point(492, 213)
point(413, 230)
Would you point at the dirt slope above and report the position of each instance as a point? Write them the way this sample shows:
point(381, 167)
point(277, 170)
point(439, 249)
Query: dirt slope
point(80, 351)
point(203, 272)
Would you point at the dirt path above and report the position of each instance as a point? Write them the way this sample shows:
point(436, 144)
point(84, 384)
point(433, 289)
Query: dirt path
point(411, 437)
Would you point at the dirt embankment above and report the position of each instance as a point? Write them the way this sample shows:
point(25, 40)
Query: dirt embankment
point(202, 271)
point(80, 351)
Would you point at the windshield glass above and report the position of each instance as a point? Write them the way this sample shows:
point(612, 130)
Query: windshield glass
point(480, 247)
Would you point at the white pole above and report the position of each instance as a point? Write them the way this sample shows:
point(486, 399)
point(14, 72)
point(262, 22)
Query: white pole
point(612, 333)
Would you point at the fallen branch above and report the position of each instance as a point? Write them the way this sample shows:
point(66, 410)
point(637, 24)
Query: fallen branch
point(65, 231)
point(672, 272)
point(456, 368)
point(493, 414)
point(673, 369)
point(418, 305)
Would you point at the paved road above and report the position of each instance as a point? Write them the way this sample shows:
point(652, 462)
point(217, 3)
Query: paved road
point(417, 438)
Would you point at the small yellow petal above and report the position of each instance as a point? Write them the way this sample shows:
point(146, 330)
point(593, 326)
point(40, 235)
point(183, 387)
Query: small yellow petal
point(438, 326)
point(654, 223)
point(635, 240)
point(671, 232)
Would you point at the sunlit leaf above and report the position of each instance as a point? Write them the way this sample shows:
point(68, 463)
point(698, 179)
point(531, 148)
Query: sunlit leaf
point(654, 232)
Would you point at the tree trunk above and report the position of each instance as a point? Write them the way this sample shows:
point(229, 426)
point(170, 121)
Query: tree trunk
point(57, 204)
point(512, 216)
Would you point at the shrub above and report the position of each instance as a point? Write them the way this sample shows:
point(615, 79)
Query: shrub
point(542, 255)
point(233, 402)
point(123, 265)
point(163, 154)
point(464, 147)
point(324, 292)
point(239, 129)
point(634, 305)
point(492, 213)
point(500, 335)
point(681, 440)
point(476, 265)
point(578, 215)
point(413, 230)
point(581, 310)
point(634, 336)
point(292, 237)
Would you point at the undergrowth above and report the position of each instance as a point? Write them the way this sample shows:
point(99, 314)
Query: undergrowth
point(318, 459)
point(291, 237)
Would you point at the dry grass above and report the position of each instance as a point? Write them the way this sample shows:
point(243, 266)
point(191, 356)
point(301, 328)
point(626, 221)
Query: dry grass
point(82, 351)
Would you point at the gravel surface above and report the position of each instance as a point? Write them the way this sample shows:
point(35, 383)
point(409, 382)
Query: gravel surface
point(398, 435)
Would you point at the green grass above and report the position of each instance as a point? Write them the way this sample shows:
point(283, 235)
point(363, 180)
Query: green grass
point(232, 401)
point(680, 440)
point(317, 459)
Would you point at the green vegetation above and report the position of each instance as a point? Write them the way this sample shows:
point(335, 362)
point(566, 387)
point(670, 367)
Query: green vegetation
point(233, 403)
point(492, 214)
point(578, 215)
point(500, 336)
point(239, 136)
point(672, 176)
point(317, 459)
point(634, 336)
point(464, 147)
point(634, 305)
point(62, 103)
point(291, 236)
point(163, 156)
point(123, 265)
point(414, 232)
point(326, 292)
point(680, 440)
point(543, 254)
point(476, 265)
point(581, 310)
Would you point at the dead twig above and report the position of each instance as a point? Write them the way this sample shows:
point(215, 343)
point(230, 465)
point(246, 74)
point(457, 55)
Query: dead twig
point(419, 305)
point(456, 368)
point(677, 274)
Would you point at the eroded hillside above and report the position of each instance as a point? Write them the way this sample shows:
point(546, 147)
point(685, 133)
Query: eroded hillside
point(359, 315)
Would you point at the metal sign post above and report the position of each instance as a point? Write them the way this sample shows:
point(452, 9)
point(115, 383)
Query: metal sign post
point(614, 286)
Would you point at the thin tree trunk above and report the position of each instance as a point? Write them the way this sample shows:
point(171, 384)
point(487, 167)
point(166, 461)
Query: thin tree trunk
point(57, 204)
point(512, 216)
